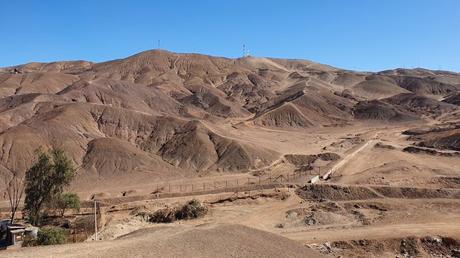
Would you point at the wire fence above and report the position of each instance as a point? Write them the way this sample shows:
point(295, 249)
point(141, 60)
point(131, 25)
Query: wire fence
point(230, 183)
point(172, 190)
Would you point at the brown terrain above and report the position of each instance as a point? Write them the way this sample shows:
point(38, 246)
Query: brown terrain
point(245, 136)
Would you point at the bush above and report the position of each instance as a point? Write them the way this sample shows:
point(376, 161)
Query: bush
point(66, 201)
point(191, 210)
point(51, 236)
point(163, 216)
point(29, 241)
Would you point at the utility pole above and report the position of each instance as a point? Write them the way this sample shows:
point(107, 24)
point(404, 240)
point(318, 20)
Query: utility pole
point(95, 221)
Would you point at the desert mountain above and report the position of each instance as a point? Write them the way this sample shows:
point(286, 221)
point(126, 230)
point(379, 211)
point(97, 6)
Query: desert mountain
point(159, 114)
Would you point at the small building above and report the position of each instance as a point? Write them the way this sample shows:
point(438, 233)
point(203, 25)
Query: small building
point(15, 235)
point(12, 235)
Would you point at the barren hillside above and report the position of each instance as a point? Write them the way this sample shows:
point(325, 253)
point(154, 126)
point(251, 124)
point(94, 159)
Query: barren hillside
point(158, 114)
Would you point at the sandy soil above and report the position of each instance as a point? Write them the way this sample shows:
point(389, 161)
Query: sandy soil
point(202, 241)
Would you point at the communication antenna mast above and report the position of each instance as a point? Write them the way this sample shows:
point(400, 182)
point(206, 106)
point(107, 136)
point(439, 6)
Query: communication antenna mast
point(159, 44)
point(245, 51)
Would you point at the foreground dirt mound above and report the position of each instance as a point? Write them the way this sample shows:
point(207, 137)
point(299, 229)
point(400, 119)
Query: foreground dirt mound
point(201, 241)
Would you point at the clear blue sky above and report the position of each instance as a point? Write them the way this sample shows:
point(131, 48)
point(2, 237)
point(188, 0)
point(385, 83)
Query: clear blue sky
point(355, 34)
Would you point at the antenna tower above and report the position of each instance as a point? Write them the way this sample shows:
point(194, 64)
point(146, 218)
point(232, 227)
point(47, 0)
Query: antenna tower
point(245, 51)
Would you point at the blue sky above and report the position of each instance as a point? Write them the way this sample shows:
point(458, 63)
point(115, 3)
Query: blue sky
point(361, 34)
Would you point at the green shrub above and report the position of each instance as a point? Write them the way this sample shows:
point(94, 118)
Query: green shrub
point(66, 201)
point(29, 241)
point(51, 236)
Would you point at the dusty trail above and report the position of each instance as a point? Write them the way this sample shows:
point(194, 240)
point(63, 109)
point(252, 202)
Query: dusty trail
point(349, 157)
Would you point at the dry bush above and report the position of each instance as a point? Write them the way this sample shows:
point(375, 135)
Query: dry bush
point(163, 216)
point(191, 210)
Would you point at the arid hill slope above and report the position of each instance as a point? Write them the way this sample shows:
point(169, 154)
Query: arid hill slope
point(160, 115)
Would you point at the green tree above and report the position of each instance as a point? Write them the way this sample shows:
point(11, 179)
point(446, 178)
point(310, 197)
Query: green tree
point(51, 236)
point(67, 201)
point(45, 181)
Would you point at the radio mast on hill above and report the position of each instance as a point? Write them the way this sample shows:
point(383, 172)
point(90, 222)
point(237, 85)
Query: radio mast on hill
point(245, 51)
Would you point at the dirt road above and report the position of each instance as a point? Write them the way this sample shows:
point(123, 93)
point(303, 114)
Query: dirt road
point(350, 156)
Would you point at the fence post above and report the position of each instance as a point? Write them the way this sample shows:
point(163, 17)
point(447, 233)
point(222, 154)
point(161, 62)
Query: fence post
point(226, 184)
point(204, 186)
